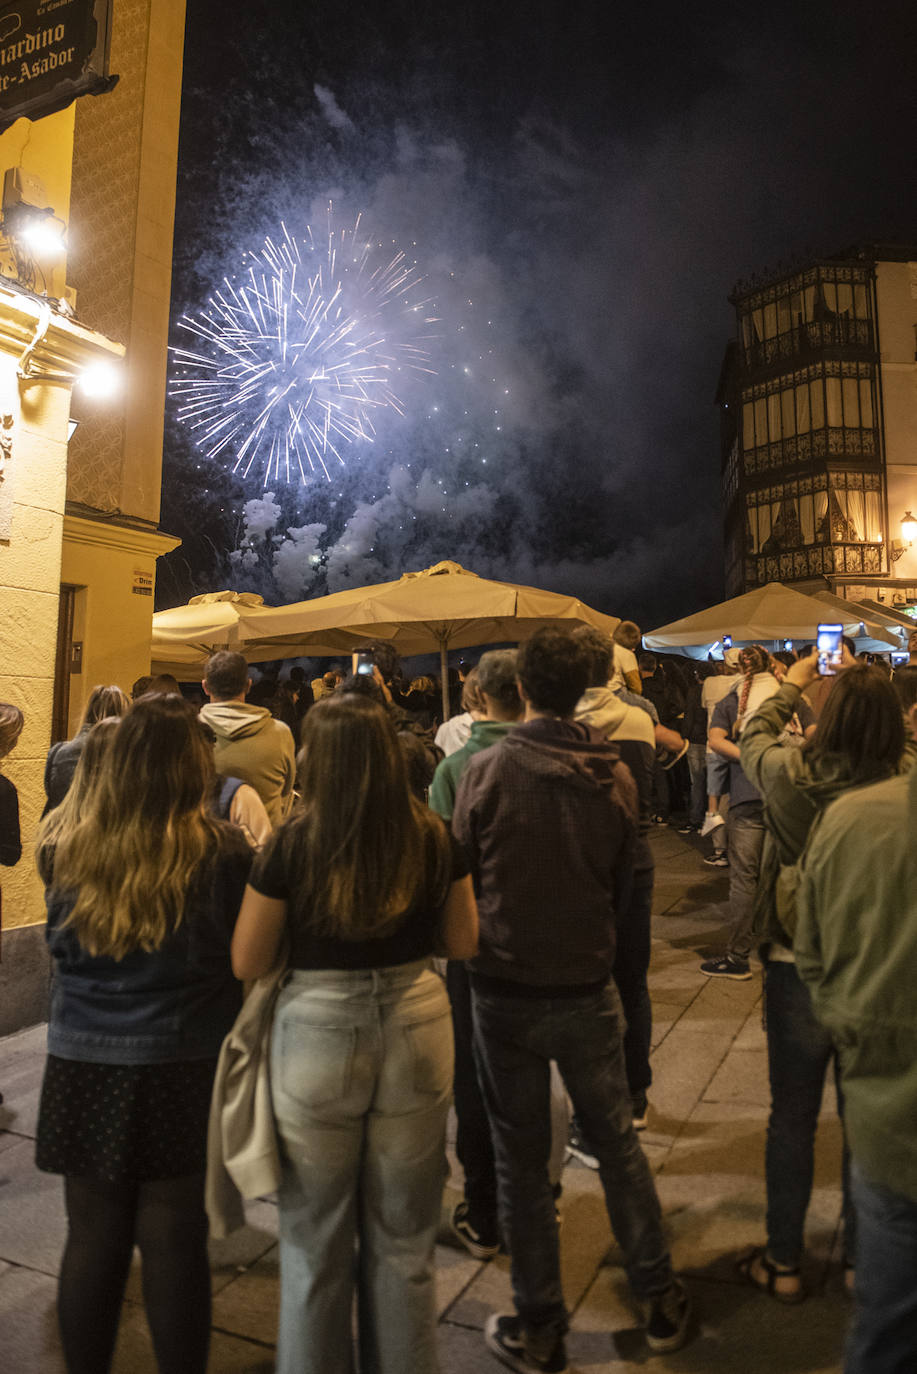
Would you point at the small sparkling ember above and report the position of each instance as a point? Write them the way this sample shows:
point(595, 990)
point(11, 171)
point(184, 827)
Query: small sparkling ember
point(294, 362)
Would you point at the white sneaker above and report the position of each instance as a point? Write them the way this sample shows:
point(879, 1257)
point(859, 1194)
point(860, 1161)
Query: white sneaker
point(711, 823)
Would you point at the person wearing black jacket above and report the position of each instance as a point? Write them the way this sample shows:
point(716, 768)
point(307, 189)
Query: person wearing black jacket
point(548, 819)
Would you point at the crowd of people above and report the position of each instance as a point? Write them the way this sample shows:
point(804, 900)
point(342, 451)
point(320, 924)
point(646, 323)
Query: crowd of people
point(457, 912)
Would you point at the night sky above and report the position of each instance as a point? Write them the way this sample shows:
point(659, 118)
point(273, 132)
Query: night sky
point(581, 185)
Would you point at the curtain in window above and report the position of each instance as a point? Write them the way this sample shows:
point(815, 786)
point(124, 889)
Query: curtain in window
point(851, 394)
point(788, 412)
point(748, 426)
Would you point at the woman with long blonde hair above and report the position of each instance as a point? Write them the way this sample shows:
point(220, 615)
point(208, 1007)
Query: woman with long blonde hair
point(366, 884)
point(143, 886)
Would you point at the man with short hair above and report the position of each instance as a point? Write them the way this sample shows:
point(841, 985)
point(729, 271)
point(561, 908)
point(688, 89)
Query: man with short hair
point(548, 820)
point(474, 1219)
point(250, 744)
point(624, 670)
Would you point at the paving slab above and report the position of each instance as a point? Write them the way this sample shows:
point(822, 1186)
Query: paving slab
point(737, 1329)
point(28, 1322)
point(20, 1082)
point(32, 1222)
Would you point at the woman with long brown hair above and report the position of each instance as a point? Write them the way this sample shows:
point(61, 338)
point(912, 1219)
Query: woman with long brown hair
point(860, 739)
point(60, 765)
point(144, 884)
point(366, 884)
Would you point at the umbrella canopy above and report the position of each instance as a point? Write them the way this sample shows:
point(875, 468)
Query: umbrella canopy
point(877, 633)
point(444, 607)
point(185, 636)
point(773, 612)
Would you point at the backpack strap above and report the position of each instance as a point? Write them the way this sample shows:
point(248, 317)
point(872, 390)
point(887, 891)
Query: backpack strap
point(228, 789)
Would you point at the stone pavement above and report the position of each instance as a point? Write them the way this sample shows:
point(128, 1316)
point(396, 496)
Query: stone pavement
point(708, 1110)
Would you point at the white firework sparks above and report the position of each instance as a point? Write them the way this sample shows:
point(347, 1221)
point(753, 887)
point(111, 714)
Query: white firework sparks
point(296, 359)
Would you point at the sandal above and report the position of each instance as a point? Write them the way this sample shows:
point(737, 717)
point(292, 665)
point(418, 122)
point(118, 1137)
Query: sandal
point(758, 1259)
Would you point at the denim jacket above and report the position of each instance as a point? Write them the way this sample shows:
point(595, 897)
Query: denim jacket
point(176, 1002)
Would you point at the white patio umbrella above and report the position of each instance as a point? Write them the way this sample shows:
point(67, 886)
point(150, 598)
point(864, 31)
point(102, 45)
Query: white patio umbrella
point(444, 607)
point(772, 612)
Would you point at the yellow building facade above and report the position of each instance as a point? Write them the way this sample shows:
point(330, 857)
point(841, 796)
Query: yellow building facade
point(78, 568)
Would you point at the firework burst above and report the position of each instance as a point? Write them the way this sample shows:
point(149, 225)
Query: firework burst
point(294, 360)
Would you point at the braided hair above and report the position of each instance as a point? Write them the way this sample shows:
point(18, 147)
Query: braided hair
point(752, 659)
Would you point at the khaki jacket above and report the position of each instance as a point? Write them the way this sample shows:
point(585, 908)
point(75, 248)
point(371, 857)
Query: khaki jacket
point(243, 1157)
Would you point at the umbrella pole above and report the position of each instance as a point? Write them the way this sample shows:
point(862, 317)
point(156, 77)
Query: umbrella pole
point(444, 675)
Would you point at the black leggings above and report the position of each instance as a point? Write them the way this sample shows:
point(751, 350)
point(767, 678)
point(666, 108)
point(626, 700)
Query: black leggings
point(167, 1221)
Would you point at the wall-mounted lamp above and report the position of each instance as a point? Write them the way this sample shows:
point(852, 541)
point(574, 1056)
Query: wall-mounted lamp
point(908, 536)
point(100, 381)
point(29, 224)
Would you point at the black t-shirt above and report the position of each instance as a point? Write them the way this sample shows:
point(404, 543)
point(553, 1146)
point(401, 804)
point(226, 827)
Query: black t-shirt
point(413, 938)
point(10, 844)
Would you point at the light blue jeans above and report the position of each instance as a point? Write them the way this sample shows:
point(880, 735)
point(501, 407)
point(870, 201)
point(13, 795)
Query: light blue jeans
point(361, 1075)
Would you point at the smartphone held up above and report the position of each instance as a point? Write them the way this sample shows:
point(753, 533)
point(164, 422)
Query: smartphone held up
point(830, 649)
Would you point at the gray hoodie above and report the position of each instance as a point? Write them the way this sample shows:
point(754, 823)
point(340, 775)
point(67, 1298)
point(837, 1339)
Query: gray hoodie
point(252, 745)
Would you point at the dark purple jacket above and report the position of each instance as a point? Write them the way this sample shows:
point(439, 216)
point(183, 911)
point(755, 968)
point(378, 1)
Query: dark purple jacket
point(548, 820)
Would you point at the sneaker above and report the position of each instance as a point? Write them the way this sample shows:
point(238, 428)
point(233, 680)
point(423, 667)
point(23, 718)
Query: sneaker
point(727, 966)
point(477, 1243)
point(667, 1317)
point(686, 829)
point(639, 1107)
point(716, 860)
point(712, 821)
point(577, 1148)
point(503, 1336)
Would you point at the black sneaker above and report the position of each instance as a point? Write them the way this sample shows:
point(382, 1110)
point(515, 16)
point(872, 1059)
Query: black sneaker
point(667, 1317)
point(727, 966)
point(577, 1147)
point(503, 1337)
point(638, 1107)
point(478, 1243)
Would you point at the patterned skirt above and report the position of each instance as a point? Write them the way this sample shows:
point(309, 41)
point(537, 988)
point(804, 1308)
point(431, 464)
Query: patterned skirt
point(124, 1122)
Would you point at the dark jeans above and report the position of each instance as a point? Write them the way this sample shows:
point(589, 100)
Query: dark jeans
point(472, 1138)
point(883, 1338)
point(799, 1053)
point(515, 1039)
point(632, 961)
point(745, 830)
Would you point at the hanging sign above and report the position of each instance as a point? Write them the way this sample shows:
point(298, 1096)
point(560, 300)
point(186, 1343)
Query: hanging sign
point(51, 52)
